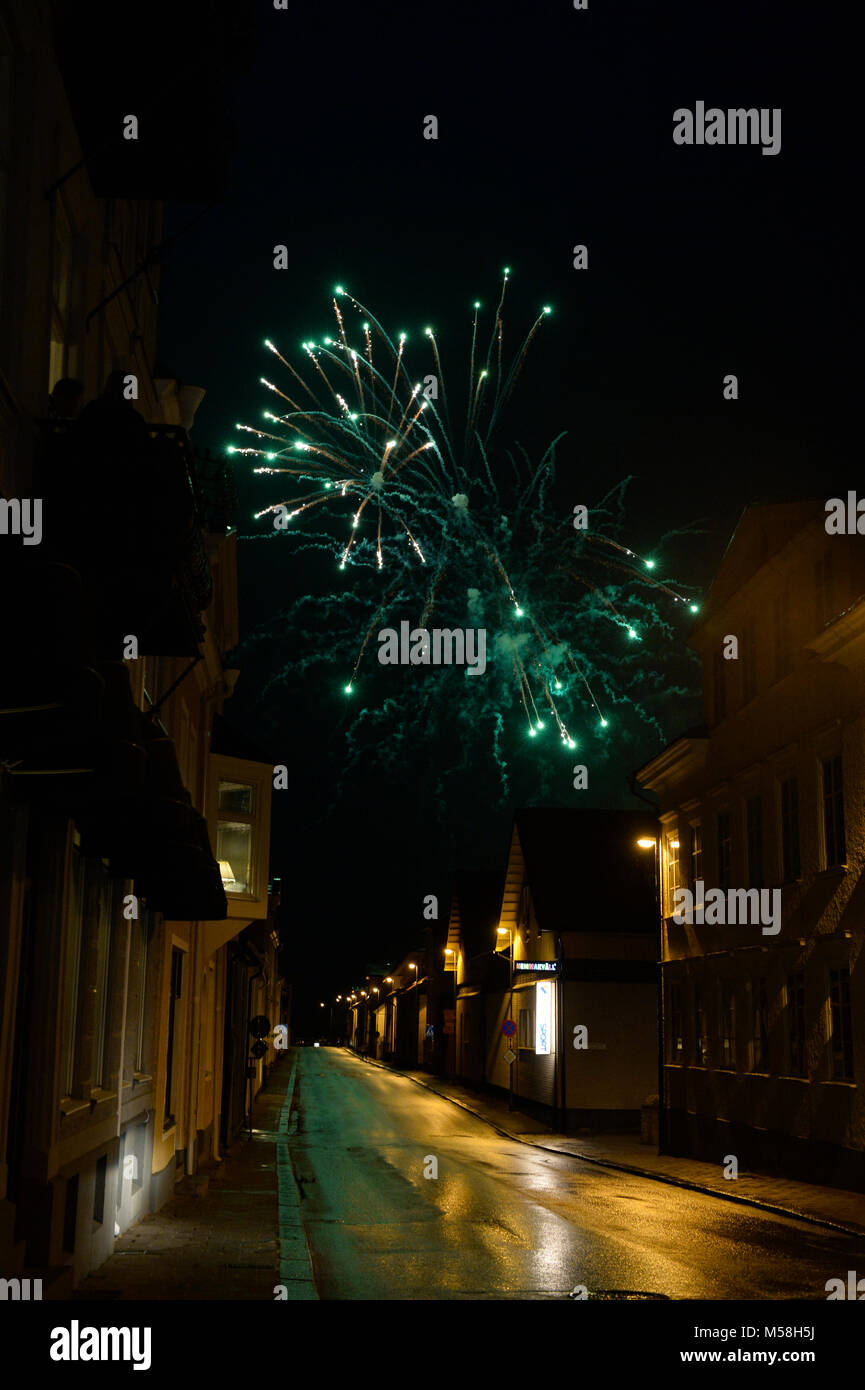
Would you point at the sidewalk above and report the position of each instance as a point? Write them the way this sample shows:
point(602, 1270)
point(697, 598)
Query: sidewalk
point(825, 1206)
point(233, 1233)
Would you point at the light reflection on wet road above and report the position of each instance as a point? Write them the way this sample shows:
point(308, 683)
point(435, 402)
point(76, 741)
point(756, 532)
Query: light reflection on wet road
point(504, 1220)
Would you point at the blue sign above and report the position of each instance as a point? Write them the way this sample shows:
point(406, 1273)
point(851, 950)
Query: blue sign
point(509, 1027)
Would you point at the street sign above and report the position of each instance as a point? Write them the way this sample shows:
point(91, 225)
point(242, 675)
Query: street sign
point(510, 1056)
point(509, 1027)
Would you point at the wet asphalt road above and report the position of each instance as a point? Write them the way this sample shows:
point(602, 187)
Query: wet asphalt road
point(503, 1220)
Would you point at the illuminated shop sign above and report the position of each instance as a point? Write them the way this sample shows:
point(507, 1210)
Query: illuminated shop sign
point(540, 967)
point(543, 1016)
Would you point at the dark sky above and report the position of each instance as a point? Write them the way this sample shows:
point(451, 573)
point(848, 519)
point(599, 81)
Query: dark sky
point(555, 128)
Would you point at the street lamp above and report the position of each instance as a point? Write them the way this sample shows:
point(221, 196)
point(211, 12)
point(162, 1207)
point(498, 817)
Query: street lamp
point(647, 842)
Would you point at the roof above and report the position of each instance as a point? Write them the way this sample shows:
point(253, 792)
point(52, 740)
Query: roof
point(477, 897)
point(761, 533)
point(232, 742)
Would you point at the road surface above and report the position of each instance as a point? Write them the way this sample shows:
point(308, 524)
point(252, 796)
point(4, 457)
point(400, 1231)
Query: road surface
point(503, 1220)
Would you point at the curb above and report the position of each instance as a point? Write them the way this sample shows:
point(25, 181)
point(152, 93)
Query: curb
point(722, 1196)
point(295, 1257)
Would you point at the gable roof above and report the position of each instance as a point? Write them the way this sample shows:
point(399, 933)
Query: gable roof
point(475, 904)
point(761, 533)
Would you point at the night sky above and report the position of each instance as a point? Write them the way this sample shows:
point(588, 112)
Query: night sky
point(555, 128)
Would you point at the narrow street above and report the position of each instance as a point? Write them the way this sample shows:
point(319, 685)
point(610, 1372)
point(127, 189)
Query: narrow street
point(502, 1220)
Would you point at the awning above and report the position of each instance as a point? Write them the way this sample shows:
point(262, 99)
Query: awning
point(158, 838)
point(68, 736)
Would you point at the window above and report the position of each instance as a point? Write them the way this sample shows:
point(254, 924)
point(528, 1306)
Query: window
point(696, 855)
point(234, 836)
point(823, 591)
point(728, 1025)
point(85, 988)
point(754, 826)
point(238, 812)
point(701, 1028)
point(748, 660)
point(833, 813)
point(791, 863)
point(759, 1025)
point(725, 848)
point(841, 1024)
point(795, 1013)
point(781, 635)
point(137, 1057)
point(526, 1035)
point(65, 287)
point(175, 985)
point(719, 688)
point(72, 968)
point(676, 1047)
point(672, 855)
point(104, 911)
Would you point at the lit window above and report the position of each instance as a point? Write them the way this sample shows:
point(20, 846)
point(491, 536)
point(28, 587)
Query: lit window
point(234, 852)
point(696, 855)
point(239, 802)
point(672, 848)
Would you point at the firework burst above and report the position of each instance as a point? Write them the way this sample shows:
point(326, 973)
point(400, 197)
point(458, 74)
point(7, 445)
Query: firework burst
point(445, 522)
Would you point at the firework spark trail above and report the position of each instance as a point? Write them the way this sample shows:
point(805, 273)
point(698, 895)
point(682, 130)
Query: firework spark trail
point(445, 513)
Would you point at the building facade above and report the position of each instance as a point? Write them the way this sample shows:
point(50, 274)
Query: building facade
point(764, 825)
point(560, 1010)
point(131, 854)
